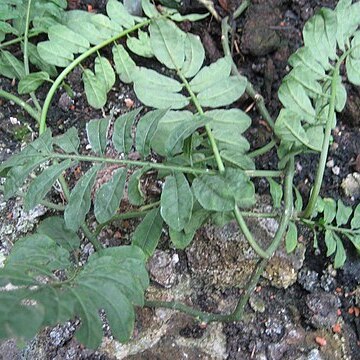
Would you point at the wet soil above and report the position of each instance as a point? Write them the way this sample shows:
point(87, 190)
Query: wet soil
point(280, 323)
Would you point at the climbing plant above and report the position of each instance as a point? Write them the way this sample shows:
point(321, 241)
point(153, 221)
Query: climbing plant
point(206, 165)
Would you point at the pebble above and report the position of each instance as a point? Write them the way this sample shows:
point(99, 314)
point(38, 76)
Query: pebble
point(162, 268)
point(308, 279)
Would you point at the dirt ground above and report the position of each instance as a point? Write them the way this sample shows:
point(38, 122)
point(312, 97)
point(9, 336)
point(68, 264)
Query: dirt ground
point(287, 315)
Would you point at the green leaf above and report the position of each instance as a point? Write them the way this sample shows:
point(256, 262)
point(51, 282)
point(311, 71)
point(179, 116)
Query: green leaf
point(17, 175)
point(340, 255)
point(80, 200)
point(97, 131)
point(342, 10)
point(95, 90)
point(276, 192)
point(329, 210)
point(42, 184)
point(353, 70)
point(194, 55)
point(307, 79)
point(355, 46)
point(176, 201)
point(315, 135)
point(69, 141)
point(166, 124)
point(304, 58)
point(225, 92)
point(135, 194)
point(107, 27)
point(189, 17)
point(330, 242)
point(343, 213)
point(223, 192)
point(293, 96)
point(118, 13)
point(156, 81)
point(124, 65)
point(148, 232)
point(149, 9)
point(355, 222)
point(238, 159)
point(182, 239)
point(122, 138)
point(37, 253)
point(36, 60)
point(298, 200)
point(340, 95)
point(291, 238)
point(355, 240)
point(233, 119)
point(66, 38)
point(54, 54)
point(108, 197)
point(31, 82)
point(54, 227)
point(168, 43)
point(141, 45)
point(211, 75)
point(183, 131)
point(104, 72)
point(320, 36)
point(145, 130)
point(10, 66)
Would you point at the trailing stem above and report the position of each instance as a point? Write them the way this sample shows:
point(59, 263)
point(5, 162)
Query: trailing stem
point(75, 63)
point(325, 146)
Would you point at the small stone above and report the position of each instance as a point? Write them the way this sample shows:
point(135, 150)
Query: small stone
point(162, 268)
point(314, 354)
point(308, 279)
point(65, 102)
point(351, 185)
point(330, 163)
point(257, 304)
point(336, 170)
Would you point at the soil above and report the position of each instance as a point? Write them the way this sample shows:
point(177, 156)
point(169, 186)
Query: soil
point(283, 321)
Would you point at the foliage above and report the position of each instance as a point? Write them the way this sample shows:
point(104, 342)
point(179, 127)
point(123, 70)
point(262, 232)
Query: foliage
point(205, 167)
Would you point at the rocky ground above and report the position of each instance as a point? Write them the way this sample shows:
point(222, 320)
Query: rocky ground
point(302, 309)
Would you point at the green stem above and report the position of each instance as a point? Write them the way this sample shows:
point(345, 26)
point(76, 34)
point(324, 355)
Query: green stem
point(259, 100)
point(263, 150)
point(76, 62)
point(288, 210)
point(247, 233)
point(325, 146)
point(151, 165)
point(26, 57)
point(210, 135)
point(29, 109)
point(312, 223)
point(20, 38)
point(242, 7)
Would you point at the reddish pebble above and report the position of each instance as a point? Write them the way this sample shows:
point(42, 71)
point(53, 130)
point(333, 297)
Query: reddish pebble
point(336, 328)
point(338, 312)
point(320, 341)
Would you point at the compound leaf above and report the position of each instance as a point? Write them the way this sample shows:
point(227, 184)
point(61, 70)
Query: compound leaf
point(330, 242)
point(54, 54)
point(10, 66)
point(340, 255)
point(329, 210)
point(118, 13)
point(141, 45)
point(135, 194)
point(276, 192)
point(355, 222)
